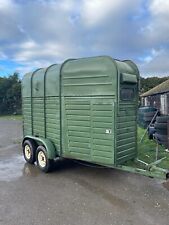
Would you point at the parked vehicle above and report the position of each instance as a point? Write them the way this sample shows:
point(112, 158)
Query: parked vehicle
point(83, 109)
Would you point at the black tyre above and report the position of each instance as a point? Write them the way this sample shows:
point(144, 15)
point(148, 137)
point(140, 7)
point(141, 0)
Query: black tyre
point(146, 109)
point(165, 144)
point(162, 119)
point(160, 137)
point(149, 114)
point(151, 131)
point(150, 136)
point(43, 162)
point(29, 151)
point(161, 131)
point(148, 118)
point(162, 126)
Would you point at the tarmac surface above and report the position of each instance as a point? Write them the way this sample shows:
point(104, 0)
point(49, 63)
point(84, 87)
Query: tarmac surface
point(73, 194)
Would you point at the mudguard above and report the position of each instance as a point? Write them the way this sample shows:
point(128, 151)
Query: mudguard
point(49, 146)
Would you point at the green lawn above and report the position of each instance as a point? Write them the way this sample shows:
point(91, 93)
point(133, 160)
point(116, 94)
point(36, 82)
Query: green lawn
point(11, 117)
point(147, 151)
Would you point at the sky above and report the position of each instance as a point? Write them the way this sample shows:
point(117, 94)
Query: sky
point(37, 33)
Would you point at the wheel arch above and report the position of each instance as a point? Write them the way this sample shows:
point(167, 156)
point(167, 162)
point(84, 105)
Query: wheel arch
point(49, 146)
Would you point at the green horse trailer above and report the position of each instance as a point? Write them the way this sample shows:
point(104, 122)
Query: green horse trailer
point(83, 109)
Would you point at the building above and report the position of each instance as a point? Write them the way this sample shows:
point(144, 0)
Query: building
point(157, 97)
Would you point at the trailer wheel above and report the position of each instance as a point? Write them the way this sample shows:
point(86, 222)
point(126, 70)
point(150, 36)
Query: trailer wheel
point(43, 162)
point(29, 149)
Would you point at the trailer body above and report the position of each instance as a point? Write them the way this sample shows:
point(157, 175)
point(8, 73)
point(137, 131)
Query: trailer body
point(85, 107)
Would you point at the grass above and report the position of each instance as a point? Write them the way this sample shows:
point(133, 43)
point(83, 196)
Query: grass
point(147, 151)
point(11, 117)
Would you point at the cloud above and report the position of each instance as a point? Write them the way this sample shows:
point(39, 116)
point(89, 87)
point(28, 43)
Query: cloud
point(8, 20)
point(157, 64)
point(97, 12)
point(31, 50)
point(68, 5)
point(160, 7)
point(156, 39)
point(2, 56)
point(158, 27)
point(42, 34)
point(6, 5)
point(39, 33)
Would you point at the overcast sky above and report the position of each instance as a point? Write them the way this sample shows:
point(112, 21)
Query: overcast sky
point(37, 33)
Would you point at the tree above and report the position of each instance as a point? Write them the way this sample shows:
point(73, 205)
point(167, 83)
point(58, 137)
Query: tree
point(10, 94)
point(148, 83)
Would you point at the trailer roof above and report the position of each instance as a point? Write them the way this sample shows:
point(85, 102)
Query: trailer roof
point(80, 77)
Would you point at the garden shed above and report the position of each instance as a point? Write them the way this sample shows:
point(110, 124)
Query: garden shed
point(157, 97)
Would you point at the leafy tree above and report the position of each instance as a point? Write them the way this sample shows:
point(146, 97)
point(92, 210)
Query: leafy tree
point(148, 83)
point(10, 94)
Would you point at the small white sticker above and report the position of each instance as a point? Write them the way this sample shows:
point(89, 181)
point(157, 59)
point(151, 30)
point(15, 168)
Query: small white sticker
point(108, 131)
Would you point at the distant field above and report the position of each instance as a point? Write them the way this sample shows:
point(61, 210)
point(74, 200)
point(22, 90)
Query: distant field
point(11, 117)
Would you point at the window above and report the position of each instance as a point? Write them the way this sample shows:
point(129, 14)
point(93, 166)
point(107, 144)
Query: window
point(127, 94)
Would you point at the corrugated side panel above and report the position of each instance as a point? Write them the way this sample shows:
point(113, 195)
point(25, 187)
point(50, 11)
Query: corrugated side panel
point(38, 117)
point(53, 120)
point(26, 107)
point(77, 132)
point(86, 123)
point(102, 130)
point(126, 136)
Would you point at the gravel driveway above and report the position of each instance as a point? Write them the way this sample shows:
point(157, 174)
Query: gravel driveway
point(73, 194)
